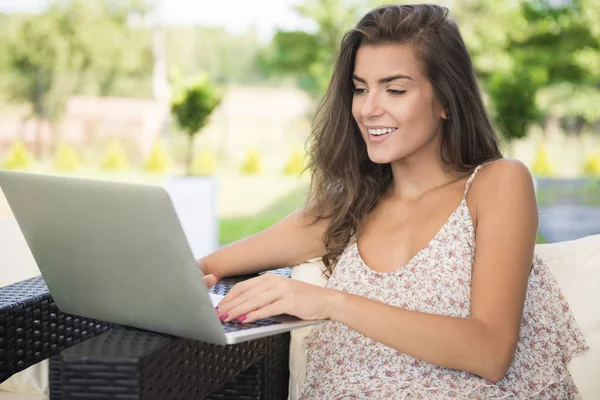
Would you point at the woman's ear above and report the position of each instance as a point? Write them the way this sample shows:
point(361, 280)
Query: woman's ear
point(444, 114)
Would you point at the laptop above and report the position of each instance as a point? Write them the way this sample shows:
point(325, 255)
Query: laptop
point(118, 253)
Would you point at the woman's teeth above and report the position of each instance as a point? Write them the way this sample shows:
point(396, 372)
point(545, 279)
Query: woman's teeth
point(379, 132)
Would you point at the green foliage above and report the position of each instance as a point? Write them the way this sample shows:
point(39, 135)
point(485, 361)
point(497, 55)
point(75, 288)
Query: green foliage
point(204, 163)
point(192, 107)
point(115, 158)
point(582, 101)
point(486, 27)
point(592, 165)
point(310, 56)
point(514, 94)
point(158, 159)
point(39, 54)
point(18, 157)
point(545, 46)
point(551, 38)
point(293, 53)
point(75, 46)
point(296, 164)
point(97, 57)
point(252, 165)
point(541, 164)
point(66, 158)
point(194, 104)
point(225, 56)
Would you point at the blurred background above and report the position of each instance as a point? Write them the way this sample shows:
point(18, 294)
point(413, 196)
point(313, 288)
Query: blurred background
point(221, 94)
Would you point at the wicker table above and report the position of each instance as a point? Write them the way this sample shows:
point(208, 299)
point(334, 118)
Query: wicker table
point(104, 361)
point(32, 328)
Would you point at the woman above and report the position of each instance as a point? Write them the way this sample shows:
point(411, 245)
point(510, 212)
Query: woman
point(433, 290)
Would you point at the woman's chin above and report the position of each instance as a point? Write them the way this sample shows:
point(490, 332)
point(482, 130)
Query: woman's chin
point(380, 158)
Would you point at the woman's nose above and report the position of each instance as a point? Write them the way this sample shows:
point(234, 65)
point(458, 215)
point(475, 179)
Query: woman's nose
point(372, 106)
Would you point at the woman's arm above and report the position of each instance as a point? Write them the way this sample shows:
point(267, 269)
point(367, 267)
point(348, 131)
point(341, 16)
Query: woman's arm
point(291, 241)
point(483, 344)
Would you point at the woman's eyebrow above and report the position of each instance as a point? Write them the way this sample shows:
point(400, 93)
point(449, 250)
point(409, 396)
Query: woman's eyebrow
point(387, 79)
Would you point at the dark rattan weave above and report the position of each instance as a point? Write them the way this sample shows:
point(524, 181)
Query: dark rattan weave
point(128, 363)
point(33, 329)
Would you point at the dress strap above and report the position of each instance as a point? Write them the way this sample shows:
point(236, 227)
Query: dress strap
point(470, 181)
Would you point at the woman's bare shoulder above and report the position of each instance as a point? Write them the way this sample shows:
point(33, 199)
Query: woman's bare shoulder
point(498, 180)
point(505, 174)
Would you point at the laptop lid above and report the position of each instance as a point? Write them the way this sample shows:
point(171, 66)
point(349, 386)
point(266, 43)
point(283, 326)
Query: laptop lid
point(114, 252)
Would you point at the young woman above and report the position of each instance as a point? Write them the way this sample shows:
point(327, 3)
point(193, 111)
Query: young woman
point(426, 232)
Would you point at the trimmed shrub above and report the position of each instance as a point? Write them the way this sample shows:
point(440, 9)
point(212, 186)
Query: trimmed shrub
point(115, 158)
point(592, 165)
point(253, 163)
point(541, 164)
point(296, 163)
point(18, 157)
point(192, 107)
point(66, 158)
point(158, 160)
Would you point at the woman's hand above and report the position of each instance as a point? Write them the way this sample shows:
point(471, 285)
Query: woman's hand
point(209, 279)
point(271, 294)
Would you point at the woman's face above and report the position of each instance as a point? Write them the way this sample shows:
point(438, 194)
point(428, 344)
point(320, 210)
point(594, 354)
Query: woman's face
point(393, 103)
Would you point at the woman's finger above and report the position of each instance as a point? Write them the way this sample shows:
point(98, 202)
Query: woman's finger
point(239, 289)
point(270, 310)
point(245, 297)
point(211, 280)
point(251, 304)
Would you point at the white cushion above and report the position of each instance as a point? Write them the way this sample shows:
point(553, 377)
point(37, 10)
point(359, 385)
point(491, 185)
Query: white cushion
point(16, 260)
point(31, 381)
point(17, 264)
point(21, 396)
point(576, 266)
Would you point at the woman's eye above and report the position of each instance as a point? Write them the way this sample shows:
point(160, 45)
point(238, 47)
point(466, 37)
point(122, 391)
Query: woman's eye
point(396, 92)
point(359, 91)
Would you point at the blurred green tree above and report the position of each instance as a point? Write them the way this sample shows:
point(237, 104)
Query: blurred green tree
point(51, 54)
point(192, 106)
point(225, 56)
point(529, 54)
point(310, 56)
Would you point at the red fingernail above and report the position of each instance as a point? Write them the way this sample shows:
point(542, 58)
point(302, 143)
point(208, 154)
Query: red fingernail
point(218, 277)
point(224, 316)
point(242, 318)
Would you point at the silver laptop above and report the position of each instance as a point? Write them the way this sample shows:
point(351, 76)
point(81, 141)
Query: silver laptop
point(117, 252)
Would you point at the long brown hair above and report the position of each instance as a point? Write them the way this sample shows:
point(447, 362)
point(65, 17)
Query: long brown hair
point(346, 185)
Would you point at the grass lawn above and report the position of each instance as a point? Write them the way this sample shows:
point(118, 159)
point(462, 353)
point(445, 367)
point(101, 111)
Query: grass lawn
point(236, 228)
point(588, 195)
point(540, 239)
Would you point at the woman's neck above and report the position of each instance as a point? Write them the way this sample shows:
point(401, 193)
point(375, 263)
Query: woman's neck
point(420, 173)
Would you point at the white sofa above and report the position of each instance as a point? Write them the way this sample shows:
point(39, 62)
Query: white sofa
point(576, 265)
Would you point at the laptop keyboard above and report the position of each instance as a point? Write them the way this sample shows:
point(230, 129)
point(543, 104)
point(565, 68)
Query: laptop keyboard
point(235, 326)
